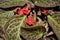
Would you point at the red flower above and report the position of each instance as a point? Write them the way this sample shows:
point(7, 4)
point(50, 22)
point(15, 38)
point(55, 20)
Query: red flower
point(20, 12)
point(30, 20)
point(45, 11)
point(25, 11)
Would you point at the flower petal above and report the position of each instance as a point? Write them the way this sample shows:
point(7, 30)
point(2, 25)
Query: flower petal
point(20, 12)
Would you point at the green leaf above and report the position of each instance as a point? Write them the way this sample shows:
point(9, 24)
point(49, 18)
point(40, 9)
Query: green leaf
point(11, 3)
point(4, 17)
point(53, 20)
point(55, 26)
point(7, 14)
point(12, 27)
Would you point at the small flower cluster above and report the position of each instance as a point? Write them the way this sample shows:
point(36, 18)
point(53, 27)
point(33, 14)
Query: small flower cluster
point(30, 19)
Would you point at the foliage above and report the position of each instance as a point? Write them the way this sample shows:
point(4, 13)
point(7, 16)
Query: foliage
point(4, 17)
point(11, 3)
point(12, 27)
point(55, 25)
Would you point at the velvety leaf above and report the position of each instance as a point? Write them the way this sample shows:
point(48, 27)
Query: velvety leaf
point(13, 27)
point(7, 14)
point(46, 3)
point(4, 17)
point(55, 26)
point(11, 3)
point(32, 34)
